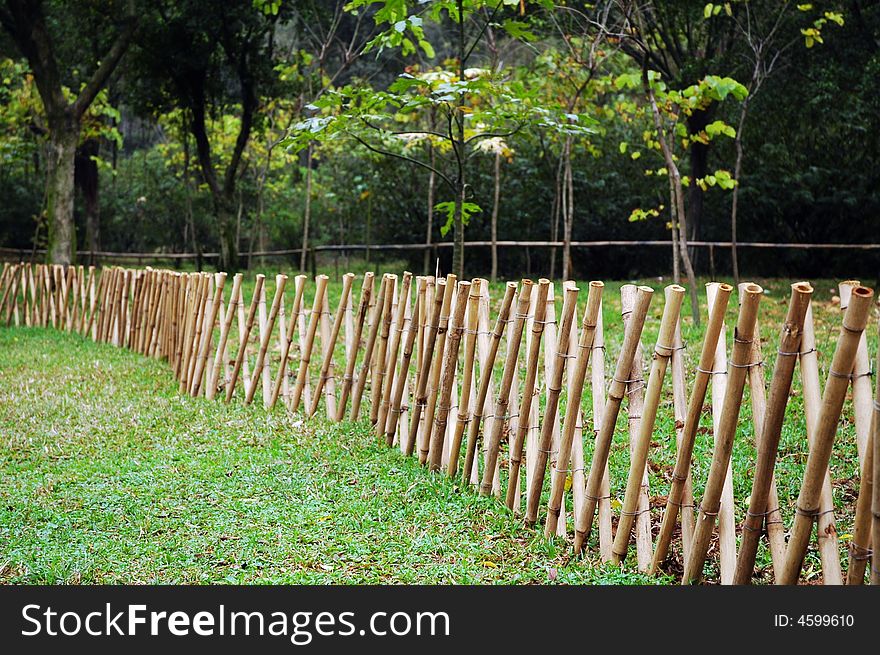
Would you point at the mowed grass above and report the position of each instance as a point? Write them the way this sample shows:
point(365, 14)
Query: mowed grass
point(111, 476)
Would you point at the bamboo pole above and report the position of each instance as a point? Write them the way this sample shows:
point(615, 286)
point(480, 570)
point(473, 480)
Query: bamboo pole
point(539, 302)
point(416, 436)
point(378, 379)
point(551, 409)
point(860, 545)
point(447, 378)
point(265, 337)
point(486, 369)
point(710, 504)
point(368, 349)
point(391, 357)
point(503, 401)
point(327, 356)
point(616, 391)
point(241, 355)
point(437, 366)
point(402, 377)
point(306, 354)
point(768, 438)
point(639, 459)
point(207, 334)
point(225, 328)
point(854, 322)
point(692, 422)
point(198, 319)
point(680, 405)
point(758, 396)
point(829, 547)
point(348, 377)
point(299, 284)
point(467, 383)
point(875, 493)
point(861, 378)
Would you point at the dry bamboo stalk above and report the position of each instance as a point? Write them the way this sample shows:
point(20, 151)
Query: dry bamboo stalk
point(854, 322)
point(391, 357)
point(402, 377)
point(758, 397)
point(551, 410)
point(467, 383)
point(348, 377)
point(861, 378)
point(447, 378)
point(67, 276)
point(767, 440)
point(155, 321)
point(436, 367)
point(106, 310)
point(860, 545)
point(265, 338)
point(710, 504)
point(663, 350)
point(361, 381)
point(244, 335)
point(327, 357)
point(380, 364)
point(616, 391)
point(695, 407)
point(635, 399)
point(306, 354)
point(680, 404)
point(299, 284)
point(204, 283)
point(207, 333)
point(329, 386)
point(502, 403)
point(529, 391)
point(829, 547)
point(184, 315)
point(554, 336)
point(419, 437)
point(225, 329)
point(486, 368)
point(26, 305)
point(9, 297)
point(141, 310)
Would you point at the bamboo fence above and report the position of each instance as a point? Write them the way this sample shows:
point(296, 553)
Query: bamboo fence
point(519, 407)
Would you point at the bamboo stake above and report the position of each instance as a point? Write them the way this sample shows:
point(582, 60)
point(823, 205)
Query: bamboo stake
point(467, 383)
point(306, 354)
point(875, 495)
point(861, 378)
point(327, 357)
point(639, 458)
point(768, 438)
point(616, 391)
point(361, 381)
point(243, 336)
point(415, 435)
point(860, 546)
point(203, 292)
point(692, 422)
point(348, 377)
point(391, 358)
point(551, 409)
point(380, 364)
point(718, 471)
point(329, 386)
point(486, 369)
point(680, 405)
point(402, 377)
point(447, 378)
point(503, 401)
point(437, 367)
point(854, 322)
point(225, 328)
point(829, 548)
point(299, 284)
point(207, 333)
point(529, 391)
point(265, 337)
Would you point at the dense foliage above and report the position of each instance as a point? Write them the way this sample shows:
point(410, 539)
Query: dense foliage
point(245, 127)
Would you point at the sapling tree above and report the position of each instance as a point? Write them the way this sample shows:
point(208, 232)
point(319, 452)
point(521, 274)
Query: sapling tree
point(468, 103)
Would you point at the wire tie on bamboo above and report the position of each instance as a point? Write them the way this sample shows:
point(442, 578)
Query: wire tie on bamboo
point(708, 372)
point(860, 553)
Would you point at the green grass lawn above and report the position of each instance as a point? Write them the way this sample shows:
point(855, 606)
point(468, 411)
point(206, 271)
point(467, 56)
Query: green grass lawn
point(110, 476)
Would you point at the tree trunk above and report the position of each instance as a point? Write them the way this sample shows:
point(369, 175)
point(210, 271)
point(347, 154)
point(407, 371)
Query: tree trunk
point(87, 179)
point(307, 211)
point(430, 228)
point(734, 205)
point(64, 136)
point(226, 224)
point(558, 194)
point(699, 161)
point(495, 204)
point(568, 212)
point(458, 235)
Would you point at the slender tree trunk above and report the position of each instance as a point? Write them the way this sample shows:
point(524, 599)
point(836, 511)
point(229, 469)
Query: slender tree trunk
point(676, 258)
point(737, 171)
point(458, 234)
point(87, 179)
point(430, 227)
point(557, 212)
point(307, 211)
point(64, 136)
point(496, 202)
point(568, 212)
point(699, 160)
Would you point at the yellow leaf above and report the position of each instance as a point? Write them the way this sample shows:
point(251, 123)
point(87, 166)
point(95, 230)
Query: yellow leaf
point(490, 565)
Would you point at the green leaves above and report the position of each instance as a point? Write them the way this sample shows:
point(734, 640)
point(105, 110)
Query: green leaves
point(717, 128)
point(468, 209)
